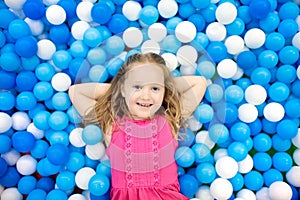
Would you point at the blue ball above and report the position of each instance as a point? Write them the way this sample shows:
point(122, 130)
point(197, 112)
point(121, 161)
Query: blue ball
point(268, 126)
point(170, 44)
point(204, 113)
point(272, 175)
point(26, 101)
point(255, 127)
point(254, 180)
point(198, 21)
point(188, 185)
point(58, 120)
point(234, 94)
point(209, 13)
point(184, 156)
point(10, 61)
point(3, 166)
point(149, 15)
point(186, 137)
point(237, 27)
point(237, 150)
point(217, 51)
point(91, 134)
point(205, 173)
point(288, 28)
point(269, 23)
point(57, 194)
point(44, 72)
point(104, 167)
point(99, 184)
point(65, 180)
point(280, 144)
point(58, 154)
point(288, 10)
point(78, 49)
point(73, 115)
point(46, 184)
point(262, 161)
point(30, 63)
point(259, 9)
point(290, 106)
point(43, 90)
point(5, 143)
point(288, 55)
point(237, 182)
point(218, 133)
point(117, 24)
point(98, 73)
point(36, 194)
point(214, 93)
point(69, 6)
point(61, 137)
point(26, 46)
point(228, 113)
point(61, 101)
point(7, 80)
point(60, 34)
point(40, 120)
point(40, 149)
point(25, 81)
point(18, 28)
point(240, 131)
point(275, 41)
point(92, 37)
point(6, 17)
point(279, 91)
point(101, 12)
point(114, 45)
point(23, 141)
point(34, 10)
point(172, 23)
point(27, 184)
point(7, 101)
point(75, 162)
point(10, 178)
point(282, 161)
point(287, 129)
point(114, 65)
point(201, 152)
point(261, 76)
point(262, 142)
point(185, 10)
point(62, 59)
point(97, 56)
point(246, 60)
point(268, 59)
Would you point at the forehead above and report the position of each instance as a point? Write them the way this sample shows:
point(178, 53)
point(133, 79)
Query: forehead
point(145, 74)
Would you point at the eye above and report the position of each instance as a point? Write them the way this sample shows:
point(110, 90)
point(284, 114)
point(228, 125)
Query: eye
point(155, 89)
point(137, 87)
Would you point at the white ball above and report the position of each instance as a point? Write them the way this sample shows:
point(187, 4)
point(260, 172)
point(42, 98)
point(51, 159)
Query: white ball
point(216, 31)
point(75, 137)
point(157, 32)
point(167, 8)
point(203, 193)
point(254, 38)
point(185, 31)
point(273, 112)
point(46, 49)
point(246, 194)
point(203, 137)
point(226, 167)
point(226, 13)
point(15, 4)
point(6, 122)
point(132, 37)
point(193, 124)
point(20, 120)
point(83, 177)
point(83, 11)
point(131, 10)
point(38, 134)
point(189, 70)
point(220, 153)
point(263, 194)
point(36, 26)
point(78, 29)
point(95, 152)
point(11, 157)
point(296, 139)
point(77, 197)
point(56, 15)
point(171, 61)
point(298, 72)
point(247, 113)
point(239, 73)
point(255, 94)
point(26, 165)
point(11, 194)
point(227, 68)
point(246, 165)
point(221, 188)
point(296, 40)
point(186, 55)
point(50, 2)
point(150, 46)
point(280, 190)
point(234, 44)
point(61, 82)
point(296, 156)
point(293, 175)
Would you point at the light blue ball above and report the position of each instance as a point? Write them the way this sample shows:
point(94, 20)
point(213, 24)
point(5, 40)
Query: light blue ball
point(58, 137)
point(40, 149)
point(237, 150)
point(26, 101)
point(58, 120)
point(61, 101)
point(40, 120)
point(288, 10)
point(62, 59)
point(262, 161)
point(18, 28)
point(75, 162)
point(268, 59)
point(206, 68)
point(186, 137)
point(37, 194)
point(204, 113)
point(73, 115)
point(170, 44)
point(78, 49)
point(272, 175)
point(261, 76)
point(98, 73)
point(65, 180)
point(184, 156)
point(7, 101)
point(280, 144)
point(5, 143)
point(206, 173)
point(275, 41)
point(240, 131)
point(10, 61)
point(43, 90)
point(114, 45)
point(218, 133)
point(99, 184)
point(282, 161)
point(92, 37)
point(288, 28)
point(201, 152)
point(149, 15)
point(44, 72)
point(254, 180)
point(269, 23)
point(214, 93)
point(237, 182)
point(262, 142)
point(287, 129)
point(278, 92)
point(97, 56)
point(288, 55)
point(104, 167)
point(290, 106)
point(91, 134)
point(57, 194)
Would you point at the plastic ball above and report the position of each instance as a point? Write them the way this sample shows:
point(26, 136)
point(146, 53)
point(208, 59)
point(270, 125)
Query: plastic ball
point(114, 45)
point(3, 167)
point(247, 113)
point(58, 120)
point(11, 193)
point(157, 32)
point(186, 55)
point(237, 182)
point(253, 180)
point(10, 61)
point(55, 14)
point(77, 197)
point(282, 161)
point(18, 28)
point(280, 144)
point(287, 129)
point(188, 185)
point(237, 150)
point(245, 194)
point(292, 175)
point(216, 31)
point(292, 52)
point(280, 190)
point(255, 94)
point(259, 9)
point(246, 165)
point(240, 131)
point(227, 68)
point(221, 188)
point(36, 194)
point(214, 93)
point(65, 180)
point(83, 176)
point(26, 184)
point(57, 194)
point(226, 13)
point(118, 23)
point(268, 59)
point(23, 141)
point(101, 13)
point(131, 10)
point(254, 38)
point(78, 29)
point(187, 137)
point(46, 49)
point(226, 167)
point(205, 172)
point(10, 178)
point(167, 8)
point(185, 31)
point(98, 184)
point(184, 156)
point(203, 137)
point(272, 175)
point(25, 81)
point(204, 193)
point(6, 122)
point(292, 28)
point(206, 69)
point(34, 10)
point(274, 112)
point(11, 156)
point(286, 74)
point(96, 151)
point(132, 37)
point(58, 154)
point(234, 44)
point(26, 165)
point(262, 142)
point(262, 161)
point(26, 46)
point(61, 59)
point(83, 11)
point(218, 133)
point(61, 82)
point(275, 41)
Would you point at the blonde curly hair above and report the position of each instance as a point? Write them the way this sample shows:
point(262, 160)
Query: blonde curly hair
point(112, 104)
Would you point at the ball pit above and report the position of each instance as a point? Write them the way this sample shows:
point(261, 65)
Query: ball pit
point(242, 141)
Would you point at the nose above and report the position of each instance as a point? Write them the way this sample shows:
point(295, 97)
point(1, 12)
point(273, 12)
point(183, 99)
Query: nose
point(145, 93)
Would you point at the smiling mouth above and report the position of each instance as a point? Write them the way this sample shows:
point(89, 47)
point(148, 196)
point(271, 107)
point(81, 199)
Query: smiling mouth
point(145, 105)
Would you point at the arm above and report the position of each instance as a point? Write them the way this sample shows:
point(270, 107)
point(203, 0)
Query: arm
point(192, 89)
point(83, 96)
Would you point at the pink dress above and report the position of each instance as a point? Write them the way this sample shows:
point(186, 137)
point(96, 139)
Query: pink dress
point(142, 161)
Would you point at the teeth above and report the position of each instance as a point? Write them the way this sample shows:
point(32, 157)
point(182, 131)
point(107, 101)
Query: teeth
point(144, 104)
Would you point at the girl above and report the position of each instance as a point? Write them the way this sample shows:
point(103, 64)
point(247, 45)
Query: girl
point(140, 114)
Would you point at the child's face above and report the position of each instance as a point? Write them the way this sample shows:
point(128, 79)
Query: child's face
point(144, 90)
